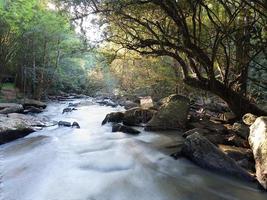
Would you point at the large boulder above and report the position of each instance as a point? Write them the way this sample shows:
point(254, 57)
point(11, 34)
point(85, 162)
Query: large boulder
point(138, 116)
point(213, 136)
point(6, 108)
point(14, 126)
point(172, 114)
point(114, 117)
point(243, 156)
point(31, 102)
point(209, 125)
point(124, 129)
point(205, 154)
point(258, 143)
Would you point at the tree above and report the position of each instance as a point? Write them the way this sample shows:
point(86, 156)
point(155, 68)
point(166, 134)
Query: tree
point(214, 42)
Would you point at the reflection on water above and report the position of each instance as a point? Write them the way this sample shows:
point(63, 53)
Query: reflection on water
point(92, 163)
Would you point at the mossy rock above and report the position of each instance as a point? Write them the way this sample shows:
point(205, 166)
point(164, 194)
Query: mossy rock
point(173, 114)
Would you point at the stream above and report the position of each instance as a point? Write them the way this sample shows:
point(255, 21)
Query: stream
point(91, 163)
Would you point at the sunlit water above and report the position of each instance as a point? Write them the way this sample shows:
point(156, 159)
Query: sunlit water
point(92, 163)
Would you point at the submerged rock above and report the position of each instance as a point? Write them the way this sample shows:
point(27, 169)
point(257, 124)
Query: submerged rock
point(205, 154)
point(124, 129)
point(68, 110)
point(258, 143)
point(172, 114)
point(64, 123)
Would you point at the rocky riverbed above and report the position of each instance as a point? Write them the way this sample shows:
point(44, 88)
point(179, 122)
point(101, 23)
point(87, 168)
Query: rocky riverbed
point(91, 162)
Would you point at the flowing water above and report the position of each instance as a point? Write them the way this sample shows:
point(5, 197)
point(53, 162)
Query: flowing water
point(91, 163)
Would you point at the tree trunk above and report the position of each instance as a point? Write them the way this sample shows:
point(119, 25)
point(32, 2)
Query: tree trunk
point(236, 102)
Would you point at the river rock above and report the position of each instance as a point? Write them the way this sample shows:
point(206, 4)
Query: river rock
point(213, 136)
point(64, 123)
point(73, 105)
point(137, 116)
point(205, 154)
point(241, 129)
point(124, 129)
point(32, 109)
point(258, 143)
point(31, 102)
point(115, 117)
point(237, 153)
point(67, 110)
point(249, 119)
point(107, 102)
point(235, 140)
point(14, 126)
point(146, 102)
point(209, 125)
point(242, 156)
point(196, 130)
point(6, 108)
point(172, 114)
point(129, 104)
point(75, 125)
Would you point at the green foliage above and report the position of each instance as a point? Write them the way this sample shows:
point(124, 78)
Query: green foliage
point(41, 48)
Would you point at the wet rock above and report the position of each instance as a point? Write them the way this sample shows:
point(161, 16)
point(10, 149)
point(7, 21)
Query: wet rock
point(172, 114)
point(6, 108)
point(138, 116)
point(249, 119)
point(68, 110)
point(73, 105)
point(258, 143)
point(14, 126)
point(75, 125)
point(124, 129)
point(32, 109)
point(84, 103)
point(31, 102)
point(107, 102)
point(64, 123)
point(115, 117)
point(205, 154)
